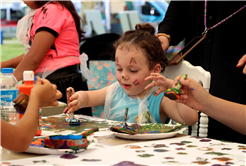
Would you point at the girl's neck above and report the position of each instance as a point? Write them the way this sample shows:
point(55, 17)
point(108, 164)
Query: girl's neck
point(142, 94)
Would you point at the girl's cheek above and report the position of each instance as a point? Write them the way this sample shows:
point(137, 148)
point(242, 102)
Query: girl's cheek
point(118, 77)
point(135, 82)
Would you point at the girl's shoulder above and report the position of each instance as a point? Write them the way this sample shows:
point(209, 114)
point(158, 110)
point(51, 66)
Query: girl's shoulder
point(52, 11)
point(52, 6)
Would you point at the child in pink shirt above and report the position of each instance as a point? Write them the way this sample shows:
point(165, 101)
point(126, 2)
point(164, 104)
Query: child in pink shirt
point(51, 35)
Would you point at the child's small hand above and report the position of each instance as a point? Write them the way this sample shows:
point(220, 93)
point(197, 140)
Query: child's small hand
point(161, 81)
point(46, 93)
point(73, 102)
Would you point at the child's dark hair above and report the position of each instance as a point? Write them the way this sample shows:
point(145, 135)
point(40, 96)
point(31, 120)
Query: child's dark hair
point(144, 38)
point(70, 7)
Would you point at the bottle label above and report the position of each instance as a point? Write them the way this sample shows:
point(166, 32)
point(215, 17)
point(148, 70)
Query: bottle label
point(8, 95)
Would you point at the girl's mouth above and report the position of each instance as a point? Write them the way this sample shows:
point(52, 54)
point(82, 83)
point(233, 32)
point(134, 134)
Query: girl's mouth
point(126, 86)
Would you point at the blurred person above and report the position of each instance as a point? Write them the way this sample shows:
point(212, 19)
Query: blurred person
point(229, 113)
point(18, 137)
point(218, 53)
point(51, 34)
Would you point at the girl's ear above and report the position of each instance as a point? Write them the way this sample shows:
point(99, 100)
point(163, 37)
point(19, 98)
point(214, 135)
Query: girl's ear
point(157, 68)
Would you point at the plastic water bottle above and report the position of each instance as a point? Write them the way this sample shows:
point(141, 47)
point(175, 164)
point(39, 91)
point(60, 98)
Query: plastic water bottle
point(9, 91)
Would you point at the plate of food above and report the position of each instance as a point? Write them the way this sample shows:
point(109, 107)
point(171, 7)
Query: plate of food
point(146, 131)
point(46, 145)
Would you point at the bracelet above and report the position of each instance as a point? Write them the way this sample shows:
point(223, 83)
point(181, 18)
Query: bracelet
point(163, 34)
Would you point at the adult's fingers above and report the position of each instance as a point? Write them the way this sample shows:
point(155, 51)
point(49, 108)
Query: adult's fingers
point(241, 61)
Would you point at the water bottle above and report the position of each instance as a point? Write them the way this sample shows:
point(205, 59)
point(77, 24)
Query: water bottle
point(9, 91)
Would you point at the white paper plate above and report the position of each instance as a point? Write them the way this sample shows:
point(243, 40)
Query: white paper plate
point(148, 136)
point(43, 150)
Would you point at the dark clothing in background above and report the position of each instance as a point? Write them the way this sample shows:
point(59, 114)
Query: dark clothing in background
point(70, 77)
point(219, 53)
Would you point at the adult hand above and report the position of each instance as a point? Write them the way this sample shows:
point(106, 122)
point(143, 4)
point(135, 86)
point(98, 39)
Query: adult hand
point(159, 80)
point(164, 42)
point(46, 93)
point(241, 62)
point(192, 94)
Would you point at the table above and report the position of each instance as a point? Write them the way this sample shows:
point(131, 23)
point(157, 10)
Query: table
point(110, 150)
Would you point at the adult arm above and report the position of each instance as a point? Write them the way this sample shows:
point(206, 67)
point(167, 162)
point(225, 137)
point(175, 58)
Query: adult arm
point(229, 113)
point(42, 42)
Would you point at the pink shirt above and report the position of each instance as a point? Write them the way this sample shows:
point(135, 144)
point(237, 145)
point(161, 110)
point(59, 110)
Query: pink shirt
point(57, 20)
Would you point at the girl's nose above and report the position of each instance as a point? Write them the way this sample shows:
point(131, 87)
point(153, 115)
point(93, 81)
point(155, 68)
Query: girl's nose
point(125, 77)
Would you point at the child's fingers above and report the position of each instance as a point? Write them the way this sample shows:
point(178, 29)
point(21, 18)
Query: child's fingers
point(54, 86)
point(73, 107)
point(70, 88)
point(65, 110)
point(38, 81)
point(45, 81)
point(72, 91)
point(152, 84)
point(157, 92)
point(153, 78)
point(74, 96)
point(58, 94)
point(71, 110)
point(155, 74)
point(54, 103)
point(163, 83)
point(73, 103)
point(161, 77)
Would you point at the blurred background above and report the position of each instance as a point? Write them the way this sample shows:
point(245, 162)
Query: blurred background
point(98, 17)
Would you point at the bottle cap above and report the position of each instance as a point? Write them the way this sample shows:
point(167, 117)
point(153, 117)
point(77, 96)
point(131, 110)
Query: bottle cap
point(28, 76)
point(7, 70)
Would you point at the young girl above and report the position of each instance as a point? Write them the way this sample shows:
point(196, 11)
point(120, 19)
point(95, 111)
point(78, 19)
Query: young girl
point(19, 137)
point(138, 54)
point(51, 34)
